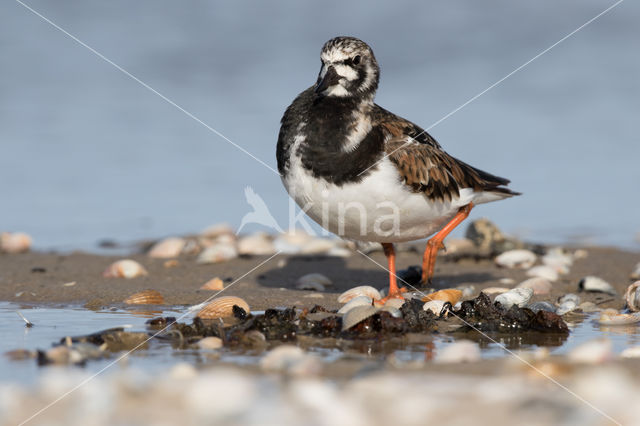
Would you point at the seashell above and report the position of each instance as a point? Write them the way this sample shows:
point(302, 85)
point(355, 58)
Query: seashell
point(313, 281)
point(632, 352)
point(171, 263)
point(318, 246)
point(517, 296)
point(214, 284)
point(395, 312)
point(596, 284)
point(14, 242)
point(437, 307)
point(291, 359)
point(566, 307)
point(635, 274)
point(215, 231)
point(356, 315)
point(449, 295)
point(506, 281)
point(558, 259)
point(146, 297)
point(167, 248)
point(219, 252)
point(490, 291)
point(537, 284)
point(569, 297)
point(222, 307)
point(456, 245)
point(613, 317)
point(523, 259)
point(543, 271)
point(542, 306)
point(363, 290)
point(580, 254)
point(258, 244)
point(461, 351)
point(210, 343)
point(588, 307)
point(395, 303)
point(632, 296)
point(356, 301)
point(125, 268)
point(339, 252)
point(467, 290)
point(594, 351)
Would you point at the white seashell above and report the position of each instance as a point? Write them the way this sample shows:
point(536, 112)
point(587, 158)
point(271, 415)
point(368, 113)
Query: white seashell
point(632, 352)
point(437, 307)
point(506, 281)
point(580, 254)
point(542, 306)
point(183, 371)
point(594, 351)
point(460, 351)
point(543, 271)
point(395, 303)
point(613, 317)
point(356, 315)
point(363, 290)
point(596, 284)
point(467, 290)
point(537, 284)
point(588, 307)
point(558, 259)
point(210, 343)
point(457, 245)
point(569, 297)
point(318, 246)
point(258, 244)
point(395, 312)
point(167, 248)
point(490, 291)
point(635, 274)
point(632, 296)
point(516, 259)
point(125, 268)
point(356, 301)
point(218, 252)
point(339, 252)
point(16, 242)
point(566, 307)
point(291, 359)
point(313, 281)
point(517, 296)
point(214, 231)
point(222, 307)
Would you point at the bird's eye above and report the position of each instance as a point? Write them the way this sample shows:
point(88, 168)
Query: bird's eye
point(356, 59)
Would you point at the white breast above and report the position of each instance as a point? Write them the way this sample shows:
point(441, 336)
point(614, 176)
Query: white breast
point(379, 208)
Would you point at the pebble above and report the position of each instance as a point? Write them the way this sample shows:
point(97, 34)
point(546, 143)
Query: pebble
point(543, 271)
point(517, 296)
point(594, 351)
point(520, 258)
point(596, 284)
point(15, 242)
point(457, 245)
point(461, 351)
point(484, 234)
point(167, 248)
point(540, 286)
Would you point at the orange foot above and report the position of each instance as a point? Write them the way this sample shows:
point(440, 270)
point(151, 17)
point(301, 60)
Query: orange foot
point(394, 291)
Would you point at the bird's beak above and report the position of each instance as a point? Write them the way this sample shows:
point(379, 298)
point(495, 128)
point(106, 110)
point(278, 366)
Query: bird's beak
point(329, 79)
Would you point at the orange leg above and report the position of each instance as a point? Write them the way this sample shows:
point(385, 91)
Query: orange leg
point(435, 243)
point(394, 291)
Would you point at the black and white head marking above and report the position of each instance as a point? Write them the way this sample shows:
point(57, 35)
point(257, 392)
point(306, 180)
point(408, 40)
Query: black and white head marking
point(349, 69)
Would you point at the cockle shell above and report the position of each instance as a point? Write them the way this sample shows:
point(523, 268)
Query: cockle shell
point(449, 295)
point(258, 244)
point(356, 301)
point(167, 248)
point(16, 242)
point(632, 296)
point(539, 285)
point(363, 290)
point(516, 259)
point(356, 315)
point(214, 284)
point(313, 281)
point(219, 252)
point(125, 268)
point(596, 284)
point(222, 307)
point(437, 307)
point(516, 296)
point(146, 297)
point(613, 317)
point(543, 271)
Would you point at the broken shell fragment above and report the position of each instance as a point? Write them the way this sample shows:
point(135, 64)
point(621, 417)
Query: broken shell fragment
point(222, 307)
point(214, 284)
point(146, 297)
point(167, 248)
point(517, 296)
point(437, 307)
point(356, 315)
point(539, 285)
point(596, 284)
point(125, 268)
point(219, 252)
point(363, 290)
point(314, 281)
point(16, 242)
point(632, 296)
point(356, 301)
point(450, 295)
point(523, 259)
point(613, 317)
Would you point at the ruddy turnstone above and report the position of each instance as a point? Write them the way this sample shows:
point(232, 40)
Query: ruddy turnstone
point(366, 174)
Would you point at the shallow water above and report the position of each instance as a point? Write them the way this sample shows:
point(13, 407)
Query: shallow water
point(86, 153)
point(54, 323)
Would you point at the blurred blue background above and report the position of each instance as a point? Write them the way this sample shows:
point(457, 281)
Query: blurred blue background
point(87, 153)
